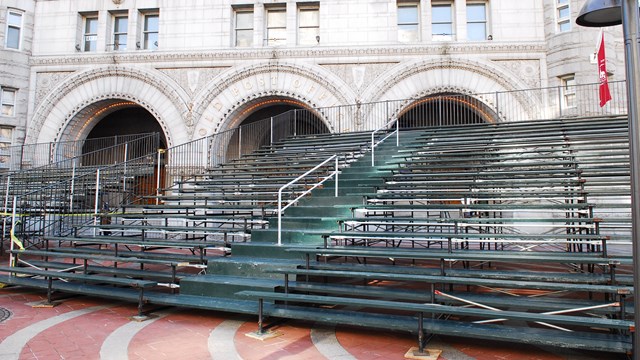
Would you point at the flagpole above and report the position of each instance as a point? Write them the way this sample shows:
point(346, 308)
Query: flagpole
point(630, 33)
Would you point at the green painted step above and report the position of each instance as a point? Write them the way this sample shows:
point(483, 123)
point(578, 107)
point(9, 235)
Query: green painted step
point(225, 286)
point(305, 223)
point(288, 236)
point(261, 251)
point(326, 198)
point(250, 266)
point(319, 211)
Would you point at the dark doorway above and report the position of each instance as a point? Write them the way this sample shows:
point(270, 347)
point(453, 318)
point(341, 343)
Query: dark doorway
point(133, 126)
point(446, 109)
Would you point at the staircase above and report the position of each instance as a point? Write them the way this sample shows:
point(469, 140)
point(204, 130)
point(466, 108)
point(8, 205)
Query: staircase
point(474, 212)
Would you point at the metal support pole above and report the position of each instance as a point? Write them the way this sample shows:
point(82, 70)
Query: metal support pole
point(630, 31)
point(6, 211)
point(13, 226)
point(260, 316)
point(239, 142)
point(337, 168)
point(73, 187)
point(271, 127)
point(560, 101)
point(158, 168)
point(124, 172)
point(96, 202)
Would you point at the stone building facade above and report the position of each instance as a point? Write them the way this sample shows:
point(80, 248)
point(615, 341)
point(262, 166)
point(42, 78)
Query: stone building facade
point(198, 67)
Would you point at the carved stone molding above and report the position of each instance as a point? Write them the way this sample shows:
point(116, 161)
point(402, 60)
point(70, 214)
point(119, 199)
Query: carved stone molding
point(235, 82)
point(359, 76)
point(269, 53)
point(495, 73)
point(528, 70)
point(45, 81)
point(58, 93)
point(193, 80)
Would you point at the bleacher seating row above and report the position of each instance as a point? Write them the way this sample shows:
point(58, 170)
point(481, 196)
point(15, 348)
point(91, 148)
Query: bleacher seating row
point(514, 232)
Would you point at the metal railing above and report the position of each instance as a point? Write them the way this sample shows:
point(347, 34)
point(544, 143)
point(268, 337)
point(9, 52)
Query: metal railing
point(29, 156)
point(281, 209)
point(374, 144)
point(140, 179)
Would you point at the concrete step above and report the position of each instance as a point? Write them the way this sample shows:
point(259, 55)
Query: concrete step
point(306, 223)
point(288, 236)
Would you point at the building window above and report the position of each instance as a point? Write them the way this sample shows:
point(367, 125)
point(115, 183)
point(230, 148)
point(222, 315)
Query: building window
point(6, 140)
point(408, 22)
point(477, 21)
point(308, 25)
point(563, 14)
point(8, 102)
point(276, 26)
point(14, 30)
point(150, 31)
point(120, 30)
point(243, 27)
point(442, 21)
point(90, 33)
point(568, 91)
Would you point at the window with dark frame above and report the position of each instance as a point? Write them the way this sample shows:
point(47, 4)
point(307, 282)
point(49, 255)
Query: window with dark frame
point(14, 30)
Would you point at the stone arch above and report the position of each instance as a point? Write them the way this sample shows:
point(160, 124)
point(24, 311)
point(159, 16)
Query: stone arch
point(71, 103)
point(487, 82)
point(218, 105)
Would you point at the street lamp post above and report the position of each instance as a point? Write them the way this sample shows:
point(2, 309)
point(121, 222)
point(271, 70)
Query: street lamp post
point(601, 13)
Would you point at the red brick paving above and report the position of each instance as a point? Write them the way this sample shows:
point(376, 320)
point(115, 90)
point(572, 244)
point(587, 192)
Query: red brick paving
point(173, 336)
point(183, 334)
point(294, 343)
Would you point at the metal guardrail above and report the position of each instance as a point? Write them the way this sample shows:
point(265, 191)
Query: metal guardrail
point(374, 144)
point(133, 180)
point(281, 209)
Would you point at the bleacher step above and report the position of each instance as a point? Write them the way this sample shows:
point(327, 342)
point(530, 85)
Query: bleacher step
point(225, 286)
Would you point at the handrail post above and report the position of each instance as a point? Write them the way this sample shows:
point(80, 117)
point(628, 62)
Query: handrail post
point(271, 128)
point(73, 185)
point(124, 170)
point(373, 149)
point(13, 231)
point(158, 169)
point(397, 132)
point(336, 181)
point(281, 208)
point(239, 142)
point(280, 216)
point(4, 218)
point(96, 202)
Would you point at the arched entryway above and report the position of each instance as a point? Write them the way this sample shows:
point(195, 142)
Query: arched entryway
point(263, 121)
point(445, 109)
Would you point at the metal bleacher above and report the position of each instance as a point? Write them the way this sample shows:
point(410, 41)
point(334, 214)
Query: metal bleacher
point(513, 231)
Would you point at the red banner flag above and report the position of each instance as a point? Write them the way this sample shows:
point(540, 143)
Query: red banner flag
point(605, 95)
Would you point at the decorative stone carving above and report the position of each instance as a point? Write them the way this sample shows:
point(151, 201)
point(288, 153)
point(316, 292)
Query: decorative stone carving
point(359, 76)
point(266, 54)
point(528, 70)
point(192, 80)
point(59, 91)
point(45, 81)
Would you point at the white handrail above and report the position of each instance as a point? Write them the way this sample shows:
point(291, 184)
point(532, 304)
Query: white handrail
point(281, 209)
point(374, 144)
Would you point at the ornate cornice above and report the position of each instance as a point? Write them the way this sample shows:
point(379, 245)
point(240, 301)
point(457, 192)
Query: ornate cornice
point(442, 49)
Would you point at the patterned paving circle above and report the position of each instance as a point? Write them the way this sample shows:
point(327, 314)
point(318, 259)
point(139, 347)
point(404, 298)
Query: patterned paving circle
point(4, 314)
